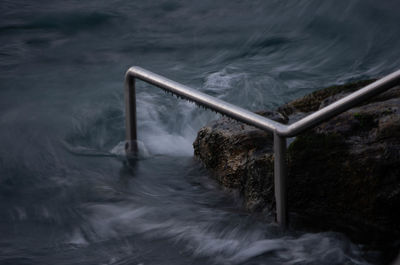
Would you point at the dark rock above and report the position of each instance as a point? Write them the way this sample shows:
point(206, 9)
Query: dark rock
point(344, 175)
point(239, 155)
point(312, 102)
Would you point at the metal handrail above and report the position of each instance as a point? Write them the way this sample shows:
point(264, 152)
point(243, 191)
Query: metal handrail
point(281, 131)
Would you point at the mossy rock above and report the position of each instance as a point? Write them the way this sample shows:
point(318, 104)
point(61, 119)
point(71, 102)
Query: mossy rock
point(312, 102)
point(344, 175)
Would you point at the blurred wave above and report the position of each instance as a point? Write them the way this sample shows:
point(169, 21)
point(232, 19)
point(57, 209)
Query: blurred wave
point(65, 193)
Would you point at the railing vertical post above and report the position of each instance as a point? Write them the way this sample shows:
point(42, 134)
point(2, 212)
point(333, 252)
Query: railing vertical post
point(280, 173)
point(281, 131)
point(130, 114)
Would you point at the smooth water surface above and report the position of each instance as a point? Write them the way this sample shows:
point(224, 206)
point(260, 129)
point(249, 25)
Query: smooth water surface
point(66, 196)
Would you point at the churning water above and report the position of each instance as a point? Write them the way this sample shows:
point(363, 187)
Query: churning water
point(65, 195)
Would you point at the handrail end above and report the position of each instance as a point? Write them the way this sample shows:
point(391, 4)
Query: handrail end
point(133, 70)
point(131, 148)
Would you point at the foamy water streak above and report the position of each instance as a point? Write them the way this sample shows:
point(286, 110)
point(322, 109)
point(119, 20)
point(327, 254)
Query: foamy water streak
point(67, 197)
point(192, 223)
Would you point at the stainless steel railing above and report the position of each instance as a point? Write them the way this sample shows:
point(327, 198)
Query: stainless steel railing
point(280, 131)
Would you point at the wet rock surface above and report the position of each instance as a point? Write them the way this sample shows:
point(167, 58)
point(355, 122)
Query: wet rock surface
point(240, 156)
point(344, 175)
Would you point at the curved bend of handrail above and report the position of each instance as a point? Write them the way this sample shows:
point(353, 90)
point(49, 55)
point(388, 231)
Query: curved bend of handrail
point(204, 99)
point(259, 121)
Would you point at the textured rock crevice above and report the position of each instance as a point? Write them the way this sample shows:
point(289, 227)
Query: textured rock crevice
point(240, 156)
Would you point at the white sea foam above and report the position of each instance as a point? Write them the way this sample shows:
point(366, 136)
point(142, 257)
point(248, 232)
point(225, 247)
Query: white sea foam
point(222, 81)
point(232, 244)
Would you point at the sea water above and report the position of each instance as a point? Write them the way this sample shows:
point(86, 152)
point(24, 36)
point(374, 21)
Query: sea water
point(66, 196)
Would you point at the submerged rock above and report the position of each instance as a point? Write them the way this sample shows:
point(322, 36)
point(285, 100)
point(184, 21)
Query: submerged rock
point(343, 175)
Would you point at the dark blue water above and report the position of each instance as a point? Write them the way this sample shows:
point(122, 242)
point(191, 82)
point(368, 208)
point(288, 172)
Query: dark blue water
point(65, 195)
